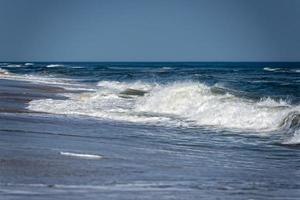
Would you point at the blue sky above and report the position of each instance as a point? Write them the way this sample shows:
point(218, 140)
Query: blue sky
point(140, 30)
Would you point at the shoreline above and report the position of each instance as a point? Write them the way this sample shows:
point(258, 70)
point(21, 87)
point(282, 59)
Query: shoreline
point(16, 94)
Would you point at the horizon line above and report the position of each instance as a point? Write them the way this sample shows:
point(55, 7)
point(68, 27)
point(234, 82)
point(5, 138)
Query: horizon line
point(180, 61)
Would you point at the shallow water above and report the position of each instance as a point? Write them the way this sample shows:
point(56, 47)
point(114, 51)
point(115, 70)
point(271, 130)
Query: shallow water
point(150, 130)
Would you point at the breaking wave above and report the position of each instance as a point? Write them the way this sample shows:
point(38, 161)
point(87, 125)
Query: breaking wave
point(179, 104)
point(3, 72)
point(271, 69)
point(54, 65)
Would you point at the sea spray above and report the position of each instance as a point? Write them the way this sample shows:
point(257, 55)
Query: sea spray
point(171, 103)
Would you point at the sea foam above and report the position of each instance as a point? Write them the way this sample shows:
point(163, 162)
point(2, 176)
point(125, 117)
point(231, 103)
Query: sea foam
point(3, 72)
point(54, 65)
point(271, 69)
point(179, 103)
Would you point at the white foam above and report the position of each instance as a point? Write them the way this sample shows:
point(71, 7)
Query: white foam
point(3, 72)
point(196, 102)
point(181, 104)
point(102, 104)
point(28, 64)
point(13, 65)
point(65, 83)
point(80, 155)
point(54, 65)
point(271, 69)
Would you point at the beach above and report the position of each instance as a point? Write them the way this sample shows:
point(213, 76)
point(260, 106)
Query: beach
point(68, 137)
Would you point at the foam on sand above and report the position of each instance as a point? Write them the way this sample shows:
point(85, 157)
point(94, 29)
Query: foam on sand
point(65, 83)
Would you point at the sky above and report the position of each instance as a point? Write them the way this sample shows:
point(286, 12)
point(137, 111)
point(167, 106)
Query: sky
point(150, 30)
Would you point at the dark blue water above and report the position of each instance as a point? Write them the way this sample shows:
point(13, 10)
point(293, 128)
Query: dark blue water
point(150, 130)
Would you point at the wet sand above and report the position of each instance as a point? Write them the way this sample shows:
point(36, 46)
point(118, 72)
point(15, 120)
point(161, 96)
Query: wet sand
point(14, 95)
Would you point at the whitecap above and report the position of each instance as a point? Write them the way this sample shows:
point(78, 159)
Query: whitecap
point(13, 65)
point(271, 69)
point(54, 65)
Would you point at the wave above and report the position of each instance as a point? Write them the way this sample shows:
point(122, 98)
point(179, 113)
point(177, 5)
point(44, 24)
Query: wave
point(176, 104)
point(294, 139)
point(281, 70)
point(80, 155)
point(14, 65)
point(271, 69)
point(199, 103)
point(3, 72)
point(77, 67)
point(65, 83)
point(28, 64)
point(54, 65)
point(291, 125)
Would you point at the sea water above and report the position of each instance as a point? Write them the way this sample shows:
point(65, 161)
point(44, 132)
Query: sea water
point(166, 130)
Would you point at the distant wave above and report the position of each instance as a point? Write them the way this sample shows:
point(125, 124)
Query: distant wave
point(55, 65)
point(28, 64)
point(271, 69)
point(13, 65)
point(291, 70)
point(77, 67)
point(80, 155)
point(297, 70)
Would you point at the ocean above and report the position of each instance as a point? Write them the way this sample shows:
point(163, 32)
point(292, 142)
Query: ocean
point(150, 130)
